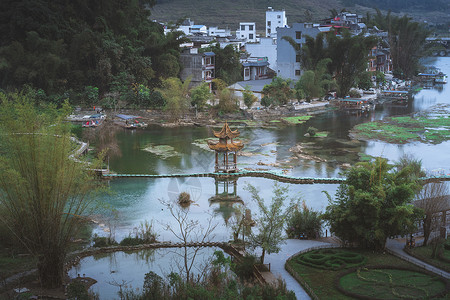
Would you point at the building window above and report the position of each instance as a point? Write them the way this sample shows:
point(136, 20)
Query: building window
point(242, 27)
point(242, 36)
point(297, 58)
point(250, 27)
point(250, 36)
point(268, 31)
point(297, 72)
point(298, 35)
point(269, 23)
point(278, 16)
point(247, 72)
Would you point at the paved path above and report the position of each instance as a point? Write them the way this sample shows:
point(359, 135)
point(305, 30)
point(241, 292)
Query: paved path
point(397, 247)
point(277, 261)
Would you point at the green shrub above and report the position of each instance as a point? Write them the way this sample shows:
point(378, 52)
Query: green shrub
point(331, 259)
point(101, 241)
point(244, 268)
point(131, 241)
point(77, 291)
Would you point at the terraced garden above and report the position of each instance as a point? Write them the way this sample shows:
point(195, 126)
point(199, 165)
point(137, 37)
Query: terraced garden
point(363, 274)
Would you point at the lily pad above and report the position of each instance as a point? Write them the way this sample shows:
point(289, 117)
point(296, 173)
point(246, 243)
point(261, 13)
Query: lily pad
point(296, 120)
point(163, 151)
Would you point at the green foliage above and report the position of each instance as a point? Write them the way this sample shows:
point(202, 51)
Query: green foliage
point(73, 45)
point(228, 66)
point(77, 291)
point(278, 92)
point(311, 131)
point(244, 268)
point(379, 77)
point(228, 103)
point(175, 94)
point(271, 220)
point(44, 192)
point(365, 81)
point(91, 95)
point(331, 259)
point(249, 97)
point(200, 95)
point(101, 241)
point(373, 204)
point(406, 41)
point(354, 94)
point(349, 58)
point(304, 221)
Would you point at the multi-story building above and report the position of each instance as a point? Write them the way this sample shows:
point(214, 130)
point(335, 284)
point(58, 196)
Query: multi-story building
point(217, 32)
point(274, 19)
point(255, 68)
point(247, 30)
point(288, 59)
point(199, 66)
point(266, 47)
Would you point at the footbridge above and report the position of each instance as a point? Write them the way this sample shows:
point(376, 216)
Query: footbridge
point(278, 176)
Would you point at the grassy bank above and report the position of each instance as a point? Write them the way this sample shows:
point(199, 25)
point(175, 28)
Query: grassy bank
point(324, 272)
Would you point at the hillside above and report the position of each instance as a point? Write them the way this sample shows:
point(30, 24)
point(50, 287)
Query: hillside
point(230, 13)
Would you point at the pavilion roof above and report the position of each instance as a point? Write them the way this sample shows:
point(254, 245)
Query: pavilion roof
point(224, 147)
point(226, 132)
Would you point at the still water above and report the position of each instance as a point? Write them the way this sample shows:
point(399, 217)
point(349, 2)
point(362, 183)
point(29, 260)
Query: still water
point(135, 200)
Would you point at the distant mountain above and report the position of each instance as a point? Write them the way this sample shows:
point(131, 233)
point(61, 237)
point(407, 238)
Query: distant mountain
point(229, 13)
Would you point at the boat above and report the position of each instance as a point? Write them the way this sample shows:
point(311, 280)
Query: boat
point(354, 104)
point(440, 78)
point(130, 122)
point(394, 95)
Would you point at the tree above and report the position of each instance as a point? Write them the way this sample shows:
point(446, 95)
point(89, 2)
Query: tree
point(373, 204)
point(175, 94)
point(432, 200)
point(348, 58)
point(228, 102)
point(43, 193)
point(228, 66)
point(271, 220)
point(278, 91)
point(304, 221)
point(249, 97)
point(365, 81)
point(188, 231)
point(200, 96)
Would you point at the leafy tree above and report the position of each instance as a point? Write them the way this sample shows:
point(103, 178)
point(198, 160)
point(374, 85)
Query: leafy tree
point(227, 101)
point(365, 81)
point(200, 95)
point(227, 63)
point(304, 221)
point(348, 58)
point(175, 94)
point(279, 91)
point(373, 204)
point(43, 192)
point(271, 220)
point(249, 97)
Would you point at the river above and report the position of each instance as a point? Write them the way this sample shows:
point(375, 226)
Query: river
point(136, 200)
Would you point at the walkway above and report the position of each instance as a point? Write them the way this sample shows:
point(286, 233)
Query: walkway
point(396, 247)
point(277, 261)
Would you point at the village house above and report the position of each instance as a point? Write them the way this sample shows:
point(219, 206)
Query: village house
point(274, 19)
point(247, 31)
point(256, 68)
point(288, 59)
point(266, 47)
point(200, 67)
point(217, 32)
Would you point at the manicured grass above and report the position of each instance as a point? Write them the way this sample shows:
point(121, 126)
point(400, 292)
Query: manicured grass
point(331, 259)
point(322, 281)
point(424, 253)
point(386, 283)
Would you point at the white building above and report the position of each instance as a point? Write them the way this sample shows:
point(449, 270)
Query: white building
point(247, 31)
point(199, 30)
point(266, 47)
point(274, 20)
point(217, 32)
point(288, 59)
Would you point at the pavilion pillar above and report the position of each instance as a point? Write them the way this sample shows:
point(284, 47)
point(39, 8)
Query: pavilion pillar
point(217, 161)
point(444, 218)
point(226, 164)
point(235, 160)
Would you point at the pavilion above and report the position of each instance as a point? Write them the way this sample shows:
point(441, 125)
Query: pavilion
point(226, 146)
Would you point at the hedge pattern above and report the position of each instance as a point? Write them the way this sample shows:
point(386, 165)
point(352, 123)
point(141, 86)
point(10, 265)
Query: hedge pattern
point(331, 259)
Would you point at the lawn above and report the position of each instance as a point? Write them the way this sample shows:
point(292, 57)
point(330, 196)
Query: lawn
point(424, 253)
point(323, 282)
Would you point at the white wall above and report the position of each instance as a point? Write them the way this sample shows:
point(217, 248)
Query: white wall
point(274, 20)
point(247, 30)
point(267, 47)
